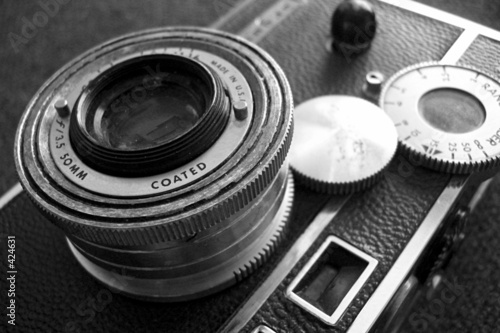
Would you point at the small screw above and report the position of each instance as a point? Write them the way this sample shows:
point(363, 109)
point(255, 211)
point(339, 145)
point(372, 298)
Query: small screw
point(62, 108)
point(240, 110)
point(373, 85)
point(374, 82)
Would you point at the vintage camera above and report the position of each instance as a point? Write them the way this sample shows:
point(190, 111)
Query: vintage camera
point(164, 157)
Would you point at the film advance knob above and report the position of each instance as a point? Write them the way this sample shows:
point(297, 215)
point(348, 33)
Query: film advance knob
point(341, 144)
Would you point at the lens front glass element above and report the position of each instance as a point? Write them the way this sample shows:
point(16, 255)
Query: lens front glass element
point(144, 111)
point(149, 115)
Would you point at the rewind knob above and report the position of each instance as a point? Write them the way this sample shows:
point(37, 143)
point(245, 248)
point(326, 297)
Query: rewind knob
point(341, 144)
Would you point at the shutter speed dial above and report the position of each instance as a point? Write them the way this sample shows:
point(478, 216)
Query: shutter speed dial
point(446, 115)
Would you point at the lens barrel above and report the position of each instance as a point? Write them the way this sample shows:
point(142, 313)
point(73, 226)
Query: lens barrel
point(176, 194)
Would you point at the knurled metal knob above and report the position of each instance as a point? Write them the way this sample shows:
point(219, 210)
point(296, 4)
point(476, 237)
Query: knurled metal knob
point(341, 144)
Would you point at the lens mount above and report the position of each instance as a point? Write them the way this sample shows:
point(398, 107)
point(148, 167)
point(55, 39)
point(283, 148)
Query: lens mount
point(148, 115)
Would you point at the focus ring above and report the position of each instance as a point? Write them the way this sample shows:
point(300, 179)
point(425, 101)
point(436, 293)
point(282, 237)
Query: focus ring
point(182, 228)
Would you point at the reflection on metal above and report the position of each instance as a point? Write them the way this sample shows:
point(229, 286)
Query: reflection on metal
point(479, 194)
point(373, 85)
point(270, 19)
point(10, 195)
point(399, 307)
point(263, 329)
point(231, 14)
point(461, 45)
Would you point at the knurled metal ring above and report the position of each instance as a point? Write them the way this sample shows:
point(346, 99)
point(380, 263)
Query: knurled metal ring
point(185, 211)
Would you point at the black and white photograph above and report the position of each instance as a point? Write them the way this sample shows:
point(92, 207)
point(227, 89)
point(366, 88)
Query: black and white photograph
point(253, 166)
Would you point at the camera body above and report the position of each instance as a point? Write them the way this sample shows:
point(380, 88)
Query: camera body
point(399, 234)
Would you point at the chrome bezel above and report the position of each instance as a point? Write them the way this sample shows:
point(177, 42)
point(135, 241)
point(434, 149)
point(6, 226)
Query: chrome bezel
point(349, 297)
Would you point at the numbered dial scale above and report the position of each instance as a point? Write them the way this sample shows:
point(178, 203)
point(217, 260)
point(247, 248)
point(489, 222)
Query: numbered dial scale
point(447, 116)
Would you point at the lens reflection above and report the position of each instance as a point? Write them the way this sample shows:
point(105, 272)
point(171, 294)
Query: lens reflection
point(140, 118)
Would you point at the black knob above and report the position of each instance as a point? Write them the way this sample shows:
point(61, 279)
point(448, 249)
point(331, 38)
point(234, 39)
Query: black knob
point(353, 27)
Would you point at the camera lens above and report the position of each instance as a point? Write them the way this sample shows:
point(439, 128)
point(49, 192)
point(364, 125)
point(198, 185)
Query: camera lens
point(170, 176)
point(148, 115)
point(139, 118)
